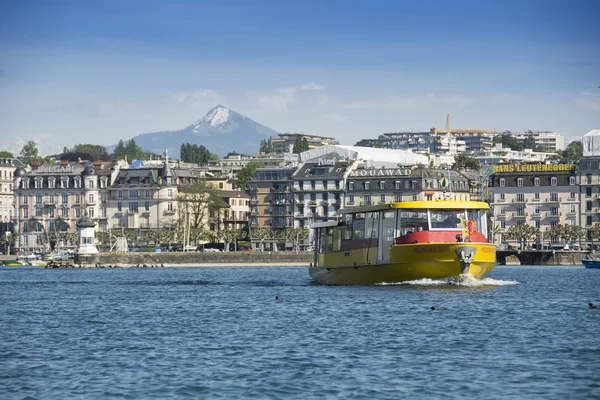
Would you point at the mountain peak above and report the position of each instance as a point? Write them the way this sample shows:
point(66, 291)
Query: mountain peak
point(218, 116)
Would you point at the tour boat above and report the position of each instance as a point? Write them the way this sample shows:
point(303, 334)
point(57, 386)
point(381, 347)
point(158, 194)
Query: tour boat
point(592, 263)
point(397, 242)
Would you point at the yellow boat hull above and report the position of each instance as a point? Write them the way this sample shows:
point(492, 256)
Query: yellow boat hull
point(407, 262)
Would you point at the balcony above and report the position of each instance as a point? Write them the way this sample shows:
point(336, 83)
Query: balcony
point(524, 200)
point(534, 200)
point(551, 214)
point(553, 200)
point(517, 215)
point(536, 215)
point(500, 200)
point(169, 212)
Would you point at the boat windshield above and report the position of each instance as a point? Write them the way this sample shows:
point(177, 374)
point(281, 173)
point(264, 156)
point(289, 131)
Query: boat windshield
point(447, 219)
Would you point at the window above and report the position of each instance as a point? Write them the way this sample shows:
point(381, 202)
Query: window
point(413, 184)
point(397, 185)
point(502, 210)
point(502, 224)
point(588, 192)
point(65, 199)
point(553, 181)
point(521, 211)
point(119, 194)
point(415, 197)
point(133, 206)
point(350, 185)
point(91, 212)
point(572, 196)
point(170, 206)
point(588, 179)
point(147, 206)
point(536, 210)
point(502, 182)
point(90, 184)
point(119, 206)
point(398, 198)
point(91, 199)
point(147, 194)
point(554, 211)
point(77, 198)
point(382, 198)
point(502, 196)
point(103, 212)
point(351, 199)
point(536, 181)
point(325, 185)
point(536, 196)
point(38, 199)
point(313, 185)
point(133, 193)
point(77, 212)
point(553, 223)
point(382, 185)
point(571, 180)
point(537, 223)
point(572, 209)
point(588, 220)
point(367, 199)
point(38, 211)
point(170, 193)
point(367, 185)
point(553, 196)
point(521, 197)
point(588, 206)
point(51, 212)
point(519, 181)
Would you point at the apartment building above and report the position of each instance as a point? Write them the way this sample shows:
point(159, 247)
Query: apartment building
point(386, 185)
point(422, 142)
point(545, 140)
point(54, 197)
point(541, 195)
point(7, 169)
point(284, 142)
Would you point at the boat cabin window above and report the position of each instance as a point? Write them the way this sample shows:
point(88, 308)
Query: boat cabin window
point(477, 222)
point(413, 221)
point(447, 219)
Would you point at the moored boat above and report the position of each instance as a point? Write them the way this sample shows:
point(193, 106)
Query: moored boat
point(591, 263)
point(398, 242)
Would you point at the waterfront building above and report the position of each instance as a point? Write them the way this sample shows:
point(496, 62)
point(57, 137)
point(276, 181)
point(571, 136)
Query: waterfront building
point(7, 169)
point(501, 155)
point(545, 140)
point(541, 195)
point(51, 198)
point(589, 176)
point(369, 186)
point(271, 204)
point(284, 142)
point(146, 197)
point(422, 142)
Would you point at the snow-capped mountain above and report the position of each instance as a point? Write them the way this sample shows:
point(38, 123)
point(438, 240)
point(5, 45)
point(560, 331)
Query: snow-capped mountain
point(221, 130)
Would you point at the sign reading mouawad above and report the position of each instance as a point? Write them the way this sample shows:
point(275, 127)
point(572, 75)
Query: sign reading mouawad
point(381, 172)
point(52, 169)
point(534, 168)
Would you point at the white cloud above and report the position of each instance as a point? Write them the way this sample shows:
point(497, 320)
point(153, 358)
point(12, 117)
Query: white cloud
point(43, 140)
point(196, 98)
point(307, 96)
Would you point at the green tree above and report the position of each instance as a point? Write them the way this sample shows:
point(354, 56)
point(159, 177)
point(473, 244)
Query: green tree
point(572, 153)
point(522, 234)
point(301, 144)
point(266, 145)
point(508, 141)
point(246, 174)
point(366, 143)
point(201, 203)
point(29, 153)
point(295, 236)
point(260, 235)
point(230, 235)
point(6, 154)
point(92, 149)
point(8, 240)
point(529, 143)
point(463, 161)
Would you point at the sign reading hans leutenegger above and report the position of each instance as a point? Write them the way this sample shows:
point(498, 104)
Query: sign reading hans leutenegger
point(534, 168)
point(381, 172)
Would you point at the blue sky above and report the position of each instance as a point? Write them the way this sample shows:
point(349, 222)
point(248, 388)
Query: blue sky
point(95, 72)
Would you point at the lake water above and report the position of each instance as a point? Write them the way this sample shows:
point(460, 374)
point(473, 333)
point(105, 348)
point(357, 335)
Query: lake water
point(219, 333)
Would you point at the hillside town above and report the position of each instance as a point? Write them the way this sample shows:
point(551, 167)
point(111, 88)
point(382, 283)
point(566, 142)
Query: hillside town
point(542, 191)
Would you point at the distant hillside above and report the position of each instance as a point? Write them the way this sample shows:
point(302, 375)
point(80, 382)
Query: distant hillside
point(221, 130)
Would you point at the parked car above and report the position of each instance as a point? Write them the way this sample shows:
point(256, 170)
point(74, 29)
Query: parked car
point(210, 250)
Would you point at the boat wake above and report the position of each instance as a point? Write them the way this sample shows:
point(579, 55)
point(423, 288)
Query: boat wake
point(463, 280)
